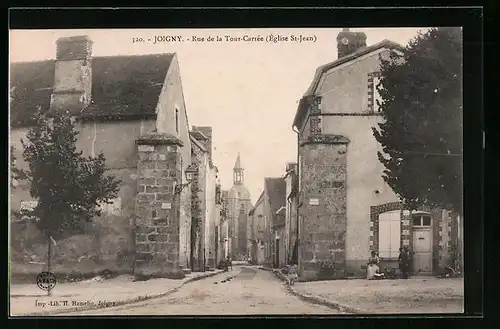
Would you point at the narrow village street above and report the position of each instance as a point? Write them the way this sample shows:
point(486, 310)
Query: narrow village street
point(250, 292)
point(120, 205)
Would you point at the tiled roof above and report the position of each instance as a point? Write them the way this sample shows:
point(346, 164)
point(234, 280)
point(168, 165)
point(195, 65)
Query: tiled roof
point(121, 86)
point(276, 192)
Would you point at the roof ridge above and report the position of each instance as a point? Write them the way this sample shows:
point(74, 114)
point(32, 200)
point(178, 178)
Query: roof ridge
point(94, 57)
point(136, 55)
point(365, 49)
point(33, 62)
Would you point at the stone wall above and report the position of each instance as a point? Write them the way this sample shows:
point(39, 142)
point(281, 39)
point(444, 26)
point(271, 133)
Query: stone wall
point(93, 138)
point(198, 210)
point(324, 205)
point(293, 229)
point(157, 206)
point(210, 216)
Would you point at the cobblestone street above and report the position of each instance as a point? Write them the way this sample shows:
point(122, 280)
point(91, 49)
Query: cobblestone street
point(250, 292)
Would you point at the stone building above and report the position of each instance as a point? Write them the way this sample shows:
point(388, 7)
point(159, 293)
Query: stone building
point(203, 202)
point(268, 222)
point(224, 239)
point(279, 237)
point(132, 109)
point(259, 230)
point(345, 209)
point(206, 211)
point(239, 204)
point(218, 247)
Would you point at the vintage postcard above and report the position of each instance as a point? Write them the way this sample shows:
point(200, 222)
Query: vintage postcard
point(236, 171)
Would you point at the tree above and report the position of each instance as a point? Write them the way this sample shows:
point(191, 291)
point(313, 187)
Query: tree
point(68, 186)
point(421, 136)
point(15, 173)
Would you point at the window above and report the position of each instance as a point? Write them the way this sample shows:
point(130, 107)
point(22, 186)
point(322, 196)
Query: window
point(389, 232)
point(177, 120)
point(421, 220)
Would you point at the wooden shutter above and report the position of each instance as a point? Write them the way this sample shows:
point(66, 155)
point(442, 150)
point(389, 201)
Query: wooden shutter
point(389, 234)
point(384, 237)
point(395, 235)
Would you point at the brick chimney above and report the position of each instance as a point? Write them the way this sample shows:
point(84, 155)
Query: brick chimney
point(72, 75)
point(349, 42)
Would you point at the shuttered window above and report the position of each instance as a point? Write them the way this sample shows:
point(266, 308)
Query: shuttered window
point(389, 231)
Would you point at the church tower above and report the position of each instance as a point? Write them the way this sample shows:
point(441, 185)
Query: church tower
point(239, 205)
point(238, 172)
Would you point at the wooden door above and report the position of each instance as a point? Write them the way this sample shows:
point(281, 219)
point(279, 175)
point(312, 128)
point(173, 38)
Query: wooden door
point(422, 248)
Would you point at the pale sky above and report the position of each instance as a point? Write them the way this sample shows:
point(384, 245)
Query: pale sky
point(247, 91)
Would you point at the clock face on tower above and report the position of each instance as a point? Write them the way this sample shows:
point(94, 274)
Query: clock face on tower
point(344, 41)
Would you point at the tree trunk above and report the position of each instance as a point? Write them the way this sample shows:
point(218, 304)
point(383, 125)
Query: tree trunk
point(49, 255)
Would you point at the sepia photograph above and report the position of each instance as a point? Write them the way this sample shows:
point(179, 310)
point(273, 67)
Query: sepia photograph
point(263, 171)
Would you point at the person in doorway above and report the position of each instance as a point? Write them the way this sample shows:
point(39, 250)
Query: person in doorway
point(230, 262)
point(372, 270)
point(404, 261)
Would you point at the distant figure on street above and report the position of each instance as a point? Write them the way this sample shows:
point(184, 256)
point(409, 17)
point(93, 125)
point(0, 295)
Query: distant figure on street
point(373, 269)
point(230, 262)
point(404, 261)
point(292, 275)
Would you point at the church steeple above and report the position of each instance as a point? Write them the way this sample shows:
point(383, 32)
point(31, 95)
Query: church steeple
point(237, 171)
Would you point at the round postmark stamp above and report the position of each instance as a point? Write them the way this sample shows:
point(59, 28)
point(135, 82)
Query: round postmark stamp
point(46, 281)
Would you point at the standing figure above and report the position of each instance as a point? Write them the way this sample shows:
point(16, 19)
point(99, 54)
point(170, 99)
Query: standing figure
point(404, 261)
point(230, 262)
